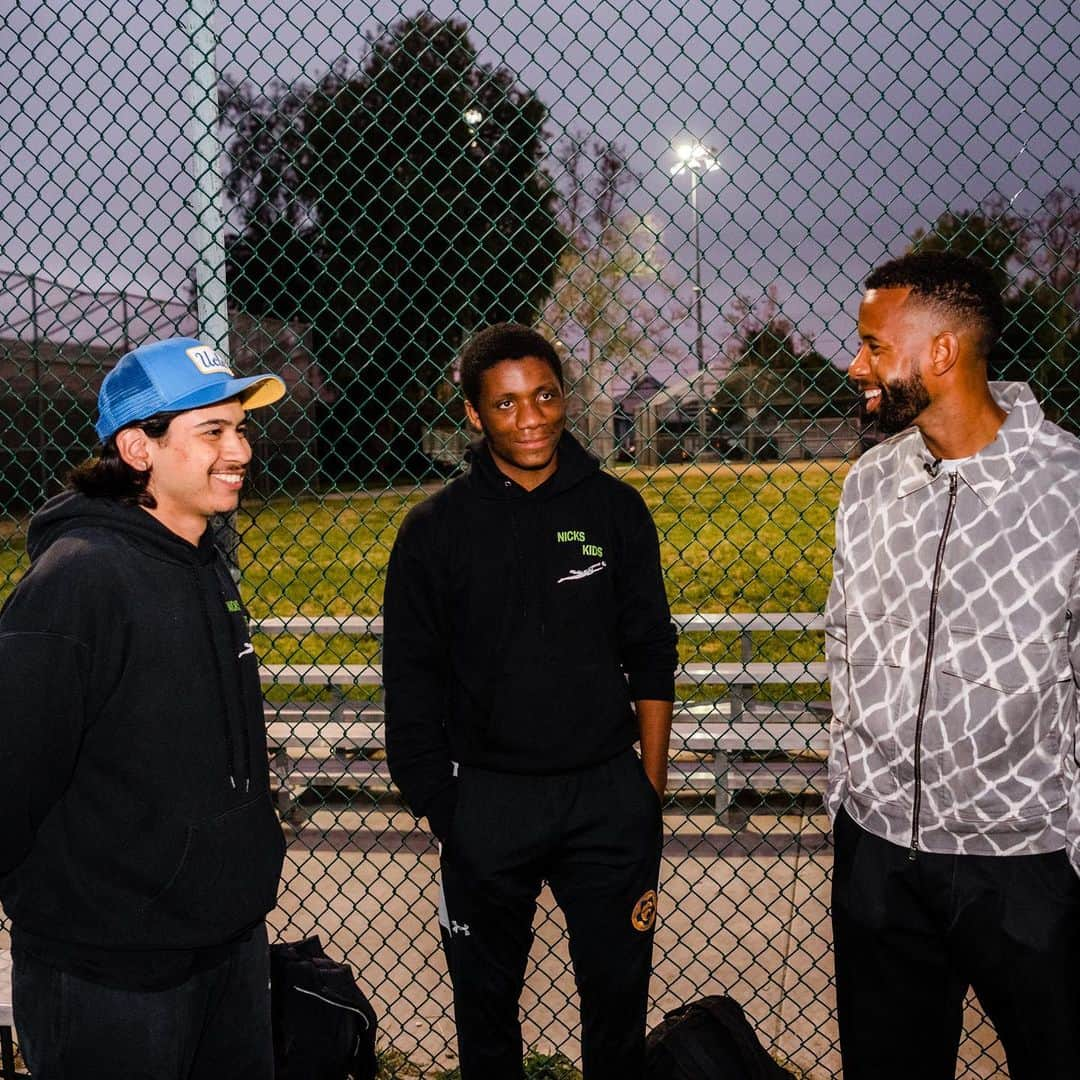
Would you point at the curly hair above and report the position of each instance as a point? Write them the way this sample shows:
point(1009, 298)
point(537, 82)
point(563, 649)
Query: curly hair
point(503, 341)
point(952, 283)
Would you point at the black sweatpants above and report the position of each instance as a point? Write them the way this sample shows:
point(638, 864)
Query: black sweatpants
point(595, 836)
point(911, 935)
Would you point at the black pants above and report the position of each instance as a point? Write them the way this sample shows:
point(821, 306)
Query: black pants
point(595, 837)
point(214, 1025)
point(912, 935)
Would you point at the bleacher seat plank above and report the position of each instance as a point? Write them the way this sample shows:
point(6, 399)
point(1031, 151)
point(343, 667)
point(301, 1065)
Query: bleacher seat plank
point(342, 743)
point(787, 672)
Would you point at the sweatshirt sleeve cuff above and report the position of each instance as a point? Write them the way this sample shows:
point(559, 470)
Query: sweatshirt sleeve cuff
point(652, 686)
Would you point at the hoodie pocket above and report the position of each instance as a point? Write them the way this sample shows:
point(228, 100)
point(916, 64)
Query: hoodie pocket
point(1004, 701)
point(226, 880)
point(580, 715)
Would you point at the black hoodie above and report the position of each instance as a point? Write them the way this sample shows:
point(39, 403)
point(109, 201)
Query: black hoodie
point(519, 626)
point(139, 834)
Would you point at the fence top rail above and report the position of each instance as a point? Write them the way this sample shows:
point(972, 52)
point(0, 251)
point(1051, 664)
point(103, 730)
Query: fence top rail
point(711, 621)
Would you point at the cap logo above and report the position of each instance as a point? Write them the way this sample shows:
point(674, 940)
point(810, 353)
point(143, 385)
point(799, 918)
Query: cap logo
point(208, 361)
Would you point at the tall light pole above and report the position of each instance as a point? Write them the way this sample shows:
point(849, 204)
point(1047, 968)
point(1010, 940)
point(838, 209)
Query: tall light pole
point(696, 159)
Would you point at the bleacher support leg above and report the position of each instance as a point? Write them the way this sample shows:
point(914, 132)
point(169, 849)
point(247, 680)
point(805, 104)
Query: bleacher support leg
point(721, 770)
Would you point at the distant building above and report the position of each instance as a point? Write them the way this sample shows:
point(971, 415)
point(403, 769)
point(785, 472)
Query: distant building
point(822, 437)
point(624, 416)
point(703, 418)
point(672, 417)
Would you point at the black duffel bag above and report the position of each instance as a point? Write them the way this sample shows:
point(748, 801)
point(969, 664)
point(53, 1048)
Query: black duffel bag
point(708, 1039)
point(324, 1026)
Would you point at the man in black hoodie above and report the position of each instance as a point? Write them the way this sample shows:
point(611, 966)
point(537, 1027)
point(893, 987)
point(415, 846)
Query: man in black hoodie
point(528, 645)
point(140, 850)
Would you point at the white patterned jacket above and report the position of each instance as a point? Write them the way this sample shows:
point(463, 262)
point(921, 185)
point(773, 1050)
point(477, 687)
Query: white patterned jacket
point(953, 645)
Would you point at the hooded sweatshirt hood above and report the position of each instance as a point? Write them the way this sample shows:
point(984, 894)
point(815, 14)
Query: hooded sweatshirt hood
point(72, 511)
point(575, 464)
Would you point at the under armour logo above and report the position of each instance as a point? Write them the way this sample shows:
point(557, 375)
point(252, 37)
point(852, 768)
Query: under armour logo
point(459, 927)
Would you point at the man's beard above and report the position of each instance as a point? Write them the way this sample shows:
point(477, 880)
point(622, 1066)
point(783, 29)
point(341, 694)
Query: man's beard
point(899, 404)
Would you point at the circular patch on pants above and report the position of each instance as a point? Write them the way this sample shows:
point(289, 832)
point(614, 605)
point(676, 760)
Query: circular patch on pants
point(644, 914)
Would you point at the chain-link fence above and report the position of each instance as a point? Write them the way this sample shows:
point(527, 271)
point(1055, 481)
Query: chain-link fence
point(685, 197)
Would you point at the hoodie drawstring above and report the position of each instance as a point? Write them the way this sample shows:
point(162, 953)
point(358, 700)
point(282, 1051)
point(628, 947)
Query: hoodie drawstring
point(237, 641)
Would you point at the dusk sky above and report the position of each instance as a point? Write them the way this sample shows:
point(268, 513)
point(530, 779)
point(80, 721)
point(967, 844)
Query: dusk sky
point(841, 127)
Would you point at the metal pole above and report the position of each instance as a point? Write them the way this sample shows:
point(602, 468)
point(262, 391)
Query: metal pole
point(207, 237)
point(200, 93)
point(38, 435)
point(126, 317)
point(700, 346)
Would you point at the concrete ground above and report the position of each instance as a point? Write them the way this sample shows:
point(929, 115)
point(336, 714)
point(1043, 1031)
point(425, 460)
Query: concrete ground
point(744, 911)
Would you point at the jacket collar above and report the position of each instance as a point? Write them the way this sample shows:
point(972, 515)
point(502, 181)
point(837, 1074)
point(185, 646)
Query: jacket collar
point(987, 471)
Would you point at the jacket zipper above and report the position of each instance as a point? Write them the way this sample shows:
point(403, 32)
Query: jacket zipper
point(924, 692)
point(1068, 645)
point(335, 1004)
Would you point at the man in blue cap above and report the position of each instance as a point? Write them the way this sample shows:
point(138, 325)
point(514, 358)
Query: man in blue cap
point(140, 851)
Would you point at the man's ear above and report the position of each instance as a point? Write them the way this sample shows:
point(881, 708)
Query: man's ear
point(944, 352)
point(133, 445)
point(473, 417)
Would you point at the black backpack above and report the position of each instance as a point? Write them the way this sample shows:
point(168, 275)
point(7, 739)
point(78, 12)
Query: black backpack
point(324, 1027)
point(709, 1039)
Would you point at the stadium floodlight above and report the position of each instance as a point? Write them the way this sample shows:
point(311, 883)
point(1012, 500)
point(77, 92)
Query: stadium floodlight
point(697, 159)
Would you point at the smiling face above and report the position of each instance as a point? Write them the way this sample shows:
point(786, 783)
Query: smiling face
point(895, 339)
point(521, 412)
point(196, 468)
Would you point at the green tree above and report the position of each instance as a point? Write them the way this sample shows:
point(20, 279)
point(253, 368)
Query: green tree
point(774, 374)
point(396, 209)
point(992, 234)
point(274, 262)
point(1037, 264)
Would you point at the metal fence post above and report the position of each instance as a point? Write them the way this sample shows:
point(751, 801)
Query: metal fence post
point(207, 237)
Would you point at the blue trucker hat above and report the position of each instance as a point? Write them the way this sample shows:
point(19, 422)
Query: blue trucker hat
point(174, 376)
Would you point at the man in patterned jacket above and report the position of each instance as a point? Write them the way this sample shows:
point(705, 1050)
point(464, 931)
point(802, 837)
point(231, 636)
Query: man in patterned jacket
point(954, 661)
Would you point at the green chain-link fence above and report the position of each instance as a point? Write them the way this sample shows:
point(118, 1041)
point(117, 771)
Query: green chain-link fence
point(686, 198)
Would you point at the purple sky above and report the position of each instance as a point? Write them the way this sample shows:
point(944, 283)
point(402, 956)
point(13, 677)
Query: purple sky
point(841, 128)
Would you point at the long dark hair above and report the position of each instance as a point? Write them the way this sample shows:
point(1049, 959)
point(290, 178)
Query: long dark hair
point(109, 476)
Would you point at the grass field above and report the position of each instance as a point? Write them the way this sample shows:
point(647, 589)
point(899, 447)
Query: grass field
point(738, 538)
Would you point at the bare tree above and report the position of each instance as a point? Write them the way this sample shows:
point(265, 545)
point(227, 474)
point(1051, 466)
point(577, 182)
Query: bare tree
point(607, 305)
